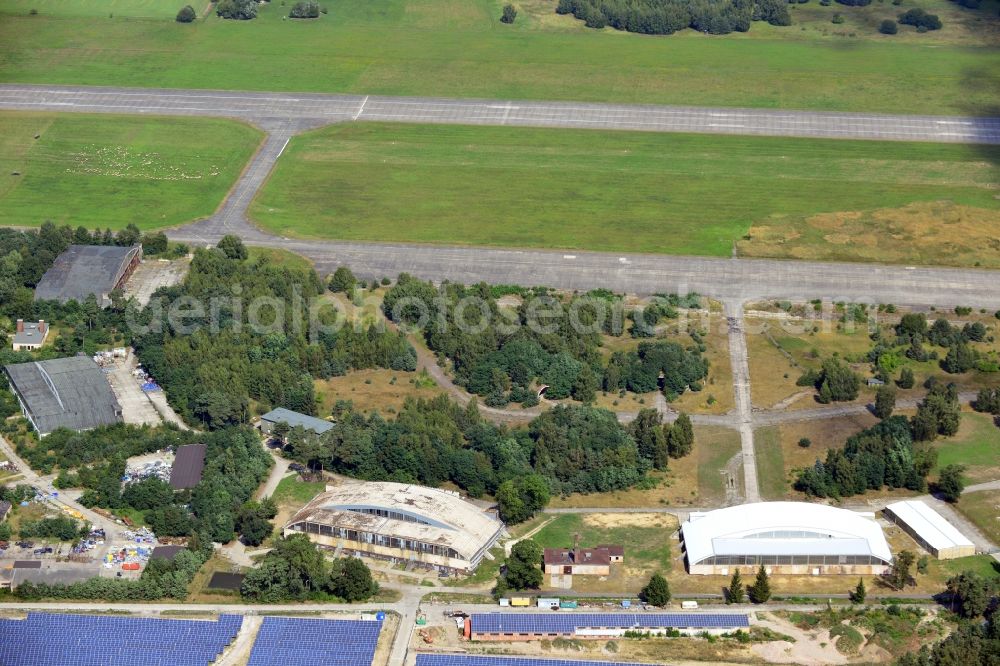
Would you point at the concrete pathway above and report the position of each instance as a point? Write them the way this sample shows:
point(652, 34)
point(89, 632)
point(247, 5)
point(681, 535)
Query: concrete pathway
point(739, 360)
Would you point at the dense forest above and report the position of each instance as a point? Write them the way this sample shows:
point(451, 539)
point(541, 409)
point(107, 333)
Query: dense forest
point(665, 17)
point(217, 362)
point(500, 353)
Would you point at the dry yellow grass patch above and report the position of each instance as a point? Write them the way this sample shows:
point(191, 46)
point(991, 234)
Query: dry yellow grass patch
point(937, 232)
point(608, 520)
point(374, 390)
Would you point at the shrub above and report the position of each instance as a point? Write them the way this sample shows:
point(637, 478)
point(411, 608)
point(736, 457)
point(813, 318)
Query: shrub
point(240, 10)
point(509, 14)
point(308, 9)
point(838, 19)
point(186, 14)
point(920, 19)
point(888, 27)
point(855, 3)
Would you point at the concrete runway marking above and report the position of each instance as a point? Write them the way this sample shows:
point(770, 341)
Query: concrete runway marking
point(361, 108)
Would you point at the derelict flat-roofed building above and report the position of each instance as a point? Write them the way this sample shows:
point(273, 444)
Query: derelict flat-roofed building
point(83, 270)
point(787, 538)
point(63, 393)
point(189, 463)
point(929, 528)
point(399, 522)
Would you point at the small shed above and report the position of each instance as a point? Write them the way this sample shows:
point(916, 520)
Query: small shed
point(930, 529)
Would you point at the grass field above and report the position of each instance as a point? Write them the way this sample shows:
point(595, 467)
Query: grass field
point(382, 391)
point(644, 535)
point(459, 48)
point(625, 191)
point(278, 257)
point(976, 446)
point(983, 509)
point(109, 171)
point(779, 456)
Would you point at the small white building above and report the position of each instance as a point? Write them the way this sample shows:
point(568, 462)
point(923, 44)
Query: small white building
point(787, 538)
point(929, 529)
point(29, 335)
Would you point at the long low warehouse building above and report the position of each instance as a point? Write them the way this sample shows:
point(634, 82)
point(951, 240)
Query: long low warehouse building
point(787, 538)
point(485, 660)
point(929, 528)
point(534, 626)
point(399, 522)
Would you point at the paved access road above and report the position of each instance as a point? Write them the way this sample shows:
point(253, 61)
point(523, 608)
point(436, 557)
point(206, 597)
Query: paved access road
point(311, 110)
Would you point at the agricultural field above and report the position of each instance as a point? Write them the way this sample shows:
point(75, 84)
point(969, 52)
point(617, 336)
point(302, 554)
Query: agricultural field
point(607, 191)
point(700, 479)
point(111, 171)
point(460, 49)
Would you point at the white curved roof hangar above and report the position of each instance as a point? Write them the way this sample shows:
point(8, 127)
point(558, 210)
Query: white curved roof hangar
point(783, 528)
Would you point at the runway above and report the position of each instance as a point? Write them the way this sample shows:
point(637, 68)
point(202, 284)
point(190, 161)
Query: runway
point(303, 111)
point(738, 280)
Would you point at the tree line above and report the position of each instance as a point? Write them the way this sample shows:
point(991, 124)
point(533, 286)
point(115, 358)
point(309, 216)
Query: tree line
point(665, 17)
point(430, 441)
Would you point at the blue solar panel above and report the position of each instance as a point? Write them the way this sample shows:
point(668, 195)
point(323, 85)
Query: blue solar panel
point(563, 623)
point(478, 660)
point(288, 641)
point(97, 640)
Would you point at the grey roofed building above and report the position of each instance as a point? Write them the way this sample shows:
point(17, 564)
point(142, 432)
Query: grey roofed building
point(83, 270)
point(29, 335)
point(282, 415)
point(64, 393)
point(188, 466)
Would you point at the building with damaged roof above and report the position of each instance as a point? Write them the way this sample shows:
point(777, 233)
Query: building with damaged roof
point(399, 522)
point(63, 393)
point(83, 270)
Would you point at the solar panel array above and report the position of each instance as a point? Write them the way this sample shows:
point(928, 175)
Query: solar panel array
point(562, 623)
point(479, 660)
point(288, 641)
point(100, 640)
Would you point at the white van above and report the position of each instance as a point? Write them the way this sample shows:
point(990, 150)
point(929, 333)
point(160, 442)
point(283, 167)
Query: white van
point(689, 605)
